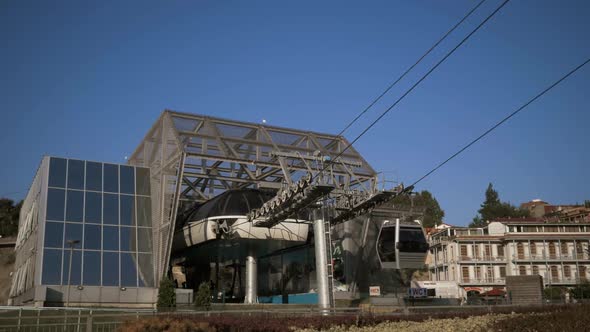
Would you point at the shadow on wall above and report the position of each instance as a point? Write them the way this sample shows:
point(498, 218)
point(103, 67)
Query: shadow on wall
point(6, 267)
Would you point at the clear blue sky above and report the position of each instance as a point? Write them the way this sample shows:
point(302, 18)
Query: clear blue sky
point(87, 80)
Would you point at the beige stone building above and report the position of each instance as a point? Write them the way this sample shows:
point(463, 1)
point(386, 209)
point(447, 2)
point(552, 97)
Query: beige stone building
point(479, 259)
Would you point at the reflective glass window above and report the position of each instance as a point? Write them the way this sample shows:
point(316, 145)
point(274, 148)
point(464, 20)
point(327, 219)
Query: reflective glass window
point(110, 209)
point(110, 238)
point(142, 181)
point(127, 179)
point(92, 236)
point(76, 268)
point(128, 239)
point(75, 174)
point(54, 234)
point(144, 239)
point(127, 210)
point(75, 206)
point(146, 270)
point(93, 176)
point(93, 210)
point(51, 274)
point(128, 270)
point(73, 233)
point(56, 204)
point(144, 211)
point(111, 178)
point(110, 271)
point(92, 268)
point(57, 172)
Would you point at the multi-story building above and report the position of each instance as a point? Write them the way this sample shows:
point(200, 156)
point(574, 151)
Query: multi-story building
point(479, 259)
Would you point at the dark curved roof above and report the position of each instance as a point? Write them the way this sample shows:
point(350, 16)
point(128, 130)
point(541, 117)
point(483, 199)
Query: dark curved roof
point(231, 202)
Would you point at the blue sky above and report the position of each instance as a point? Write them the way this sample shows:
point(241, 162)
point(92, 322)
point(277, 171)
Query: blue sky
point(88, 79)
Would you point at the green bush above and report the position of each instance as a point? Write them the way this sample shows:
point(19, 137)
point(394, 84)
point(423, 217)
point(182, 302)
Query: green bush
point(581, 291)
point(166, 294)
point(203, 297)
point(553, 293)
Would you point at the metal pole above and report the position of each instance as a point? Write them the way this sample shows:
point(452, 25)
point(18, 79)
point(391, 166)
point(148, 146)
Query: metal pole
point(69, 274)
point(251, 281)
point(321, 264)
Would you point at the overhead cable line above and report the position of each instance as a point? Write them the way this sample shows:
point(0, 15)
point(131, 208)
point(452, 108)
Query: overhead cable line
point(539, 95)
point(411, 67)
point(417, 83)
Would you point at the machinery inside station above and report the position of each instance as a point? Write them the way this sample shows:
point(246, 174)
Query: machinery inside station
point(277, 215)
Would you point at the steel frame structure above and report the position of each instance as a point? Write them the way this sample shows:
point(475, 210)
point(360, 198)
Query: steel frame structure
point(193, 158)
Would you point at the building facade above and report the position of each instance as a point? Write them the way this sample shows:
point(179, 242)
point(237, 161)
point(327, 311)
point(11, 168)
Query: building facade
point(479, 259)
point(85, 236)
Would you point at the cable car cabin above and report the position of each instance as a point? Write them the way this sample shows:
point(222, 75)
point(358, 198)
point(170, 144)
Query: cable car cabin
point(401, 245)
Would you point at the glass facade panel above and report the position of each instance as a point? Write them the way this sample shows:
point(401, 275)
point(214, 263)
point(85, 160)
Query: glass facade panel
point(57, 172)
point(54, 234)
point(142, 181)
point(93, 209)
point(92, 268)
point(144, 239)
point(100, 210)
point(110, 238)
point(56, 199)
point(110, 209)
point(73, 233)
point(76, 268)
point(146, 270)
point(111, 178)
point(127, 179)
point(128, 270)
point(93, 176)
point(110, 271)
point(127, 210)
point(128, 239)
point(92, 237)
point(144, 211)
point(75, 206)
point(75, 174)
point(51, 274)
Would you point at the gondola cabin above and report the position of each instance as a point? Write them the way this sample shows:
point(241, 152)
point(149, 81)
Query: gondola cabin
point(401, 245)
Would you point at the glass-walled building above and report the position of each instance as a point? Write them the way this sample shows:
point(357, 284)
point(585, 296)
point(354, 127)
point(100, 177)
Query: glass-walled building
point(86, 225)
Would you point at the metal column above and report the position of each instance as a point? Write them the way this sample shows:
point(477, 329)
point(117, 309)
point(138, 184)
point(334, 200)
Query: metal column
point(321, 263)
point(251, 281)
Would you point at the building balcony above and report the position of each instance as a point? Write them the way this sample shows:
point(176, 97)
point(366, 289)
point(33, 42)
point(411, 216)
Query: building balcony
point(483, 281)
point(441, 240)
point(482, 259)
point(564, 281)
point(551, 257)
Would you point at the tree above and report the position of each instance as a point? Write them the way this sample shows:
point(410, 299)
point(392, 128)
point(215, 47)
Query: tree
point(493, 208)
point(9, 215)
point(166, 294)
point(423, 201)
point(203, 297)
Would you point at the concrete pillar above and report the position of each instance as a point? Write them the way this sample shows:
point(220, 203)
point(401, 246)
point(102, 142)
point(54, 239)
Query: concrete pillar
point(321, 263)
point(251, 281)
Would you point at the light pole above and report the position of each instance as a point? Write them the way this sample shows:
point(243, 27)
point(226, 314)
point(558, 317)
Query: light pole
point(71, 243)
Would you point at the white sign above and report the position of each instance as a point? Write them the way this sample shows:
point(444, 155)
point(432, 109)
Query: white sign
point(374, 291)
point(417, 292)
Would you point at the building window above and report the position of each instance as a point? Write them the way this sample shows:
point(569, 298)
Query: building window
point(465, 273)
point(567, 272)
point(463, 251)
point(522, 270)
point(552, 251)
point(563, 246)
point(488, 249)
point(533, 248)
point(500, 250)
point(535, 270)
point(490, 273)
point(477, 272)
point(554, 272)
point(582, 272)
point(520, 250)
point(502, 271)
